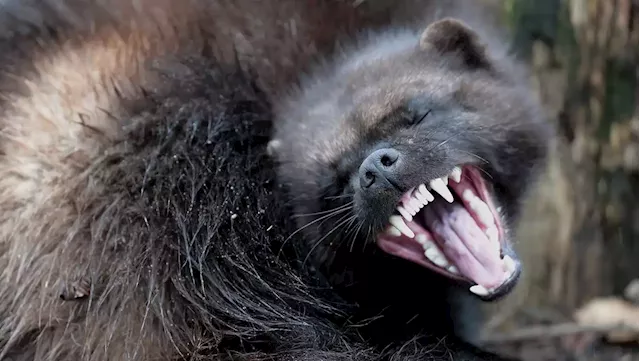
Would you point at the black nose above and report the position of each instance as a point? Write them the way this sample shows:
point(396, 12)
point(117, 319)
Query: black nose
point(379, 168)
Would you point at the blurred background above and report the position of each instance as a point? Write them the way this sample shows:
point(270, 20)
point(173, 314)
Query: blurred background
point(578, 299)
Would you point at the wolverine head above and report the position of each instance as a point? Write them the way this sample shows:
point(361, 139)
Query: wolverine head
point(423, 144)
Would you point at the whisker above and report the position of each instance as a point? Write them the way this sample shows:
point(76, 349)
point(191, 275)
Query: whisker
point(342, 196)
point(341, 221)
point(355, 236)
point(334, 213)
point(364, 244)
point(473, 154)
point(482, 170)
point(349, 228)
point(444, 141)
point(322, 212)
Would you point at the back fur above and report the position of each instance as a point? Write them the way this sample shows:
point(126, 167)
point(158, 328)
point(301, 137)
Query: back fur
point(127, 153)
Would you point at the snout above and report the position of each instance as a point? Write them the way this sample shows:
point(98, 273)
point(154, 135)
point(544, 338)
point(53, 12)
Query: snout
point(380, 170)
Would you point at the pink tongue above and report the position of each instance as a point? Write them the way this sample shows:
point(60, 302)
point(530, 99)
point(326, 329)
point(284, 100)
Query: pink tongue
point(464, 243)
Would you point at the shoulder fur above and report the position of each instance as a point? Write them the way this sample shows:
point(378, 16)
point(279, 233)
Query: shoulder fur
point(80, 83)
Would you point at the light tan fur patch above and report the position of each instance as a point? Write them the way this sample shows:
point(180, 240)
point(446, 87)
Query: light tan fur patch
point(49, 135)
point(71, 108)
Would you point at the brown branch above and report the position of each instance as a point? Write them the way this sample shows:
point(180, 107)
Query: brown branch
point(550, 331)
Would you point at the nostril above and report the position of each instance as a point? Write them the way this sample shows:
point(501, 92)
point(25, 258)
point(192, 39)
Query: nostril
point(388, 157)
point(378, 168)
point(369, 179)
point(387, 161)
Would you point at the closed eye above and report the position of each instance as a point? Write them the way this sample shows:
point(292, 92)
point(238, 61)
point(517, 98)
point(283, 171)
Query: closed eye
point(419, 120)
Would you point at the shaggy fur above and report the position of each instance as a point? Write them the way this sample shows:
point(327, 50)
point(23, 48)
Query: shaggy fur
point(443, 96)
point(140, 217)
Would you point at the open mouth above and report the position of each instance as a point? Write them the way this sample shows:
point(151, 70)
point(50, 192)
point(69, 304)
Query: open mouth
point(451, 226)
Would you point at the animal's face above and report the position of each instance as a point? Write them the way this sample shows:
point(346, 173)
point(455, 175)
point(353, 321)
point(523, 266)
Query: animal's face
point(423, 147)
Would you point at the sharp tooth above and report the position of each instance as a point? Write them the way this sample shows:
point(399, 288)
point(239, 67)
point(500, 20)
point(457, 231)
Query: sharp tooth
point(393, 231)
point(435, 256)
point(439, 186)
point(492, 233)
point(409, 207)
point(453, 269)
point(483, 211)
point(440, 262)
point(456, 174)
point(426, 243)
point(423, 200)
point(468, 195)
point(479, 290)
point(398, 222)
point(405, 214)
point(445, 180)
point(425, 192)
point(432, 252)
point(415, 204)
point(509, 264)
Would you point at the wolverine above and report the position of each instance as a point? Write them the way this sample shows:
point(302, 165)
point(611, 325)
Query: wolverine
point(208, 179)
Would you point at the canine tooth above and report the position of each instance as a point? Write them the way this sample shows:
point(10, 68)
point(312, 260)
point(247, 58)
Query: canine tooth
point(398, 222)
point(405, 214)
point(439, 186)
point(509, 264)
point(425, 192)
point(393, 231)
point(456, 174)
point(479, 290)
point(453, 269)
point(445, 180)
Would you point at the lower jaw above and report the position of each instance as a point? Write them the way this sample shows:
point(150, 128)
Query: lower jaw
point(496, 293)
point(444, 238)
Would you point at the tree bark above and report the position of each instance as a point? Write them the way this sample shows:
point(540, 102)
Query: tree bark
point(579, 234)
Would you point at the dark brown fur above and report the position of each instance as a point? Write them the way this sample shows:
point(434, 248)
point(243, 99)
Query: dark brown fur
point(74, 76)
point(139, 219)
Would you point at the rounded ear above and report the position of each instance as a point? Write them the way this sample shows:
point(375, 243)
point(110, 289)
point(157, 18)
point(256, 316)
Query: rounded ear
point(272, 148)
point(451, 36)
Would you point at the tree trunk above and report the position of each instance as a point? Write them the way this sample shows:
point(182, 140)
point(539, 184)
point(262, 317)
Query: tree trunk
point(579, 235)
